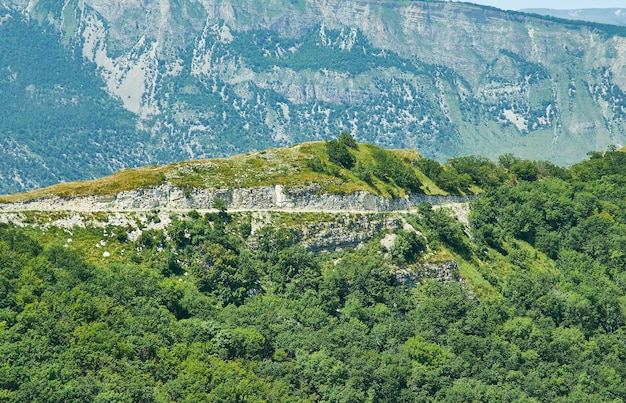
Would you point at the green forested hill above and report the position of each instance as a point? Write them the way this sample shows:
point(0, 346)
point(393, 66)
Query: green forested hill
point(212, 308)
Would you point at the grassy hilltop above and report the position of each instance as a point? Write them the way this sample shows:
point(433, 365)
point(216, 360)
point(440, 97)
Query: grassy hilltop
point(338, 166)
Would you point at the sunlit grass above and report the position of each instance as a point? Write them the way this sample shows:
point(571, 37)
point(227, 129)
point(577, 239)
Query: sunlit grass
point(288, 166)
point(127, 179)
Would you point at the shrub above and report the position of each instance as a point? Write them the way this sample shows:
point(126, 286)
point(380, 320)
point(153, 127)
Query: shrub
point(525, 170)
point(315, 164)
point(407, 246)
point(219, 204)
point(429, 167)
point(339, 154)
point(482, 171)
point(347, 139)
point(364, 173)
point(390, 167)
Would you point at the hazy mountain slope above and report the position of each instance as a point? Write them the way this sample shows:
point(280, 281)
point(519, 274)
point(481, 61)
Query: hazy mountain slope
point(56, 123)
point(613, 16)
point(212, 78)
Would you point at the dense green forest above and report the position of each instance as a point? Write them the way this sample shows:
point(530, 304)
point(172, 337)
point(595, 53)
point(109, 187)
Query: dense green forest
point(207, 311)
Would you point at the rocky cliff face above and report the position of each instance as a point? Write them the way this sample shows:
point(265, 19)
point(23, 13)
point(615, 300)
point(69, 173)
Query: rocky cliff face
point(612, 16)
point(319, 222)
point(169, 197)
point(319, 233)
point(208, 78)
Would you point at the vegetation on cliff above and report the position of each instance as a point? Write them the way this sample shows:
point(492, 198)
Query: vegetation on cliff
point(217, 308)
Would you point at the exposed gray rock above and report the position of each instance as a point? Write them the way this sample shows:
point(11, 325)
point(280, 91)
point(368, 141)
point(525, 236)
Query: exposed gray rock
point(350, 231)
point(444, 271)
point(348, 224)
point(275, 197)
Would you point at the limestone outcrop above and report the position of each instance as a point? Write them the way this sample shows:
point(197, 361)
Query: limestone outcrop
point(276, 197)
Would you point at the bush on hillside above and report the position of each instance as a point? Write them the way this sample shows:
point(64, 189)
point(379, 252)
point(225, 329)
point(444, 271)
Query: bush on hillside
point(339, 154)
point(347, 139)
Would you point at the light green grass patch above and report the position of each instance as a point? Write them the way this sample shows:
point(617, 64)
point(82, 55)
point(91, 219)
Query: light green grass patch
point(288, 166)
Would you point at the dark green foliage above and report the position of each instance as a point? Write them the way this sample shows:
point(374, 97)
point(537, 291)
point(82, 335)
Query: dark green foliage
point(202, 315)
point(506, 160)
point(482, 171)
point(121, 234)
point(193, 214)
point(443, 227)
point(453, 181)
point(430, 168)
point(549, 170)
point(530, 71)
point(364, 172)
point(347, 139)
point(582, 216)
point(460, 173)
point(315, 164)
point(599, 165)
point(312, 54)
point(339, 154)
point(389, 167)
point(407, 246)
point(219, 205)
point(577, 223)
point(525, 170)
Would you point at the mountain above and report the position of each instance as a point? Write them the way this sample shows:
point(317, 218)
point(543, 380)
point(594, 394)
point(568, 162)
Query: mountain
point(127, 83)
point(57, 122)
point(612, 16)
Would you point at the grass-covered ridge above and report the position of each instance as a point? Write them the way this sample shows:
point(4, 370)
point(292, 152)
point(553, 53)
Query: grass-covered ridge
point(387, 173)
point(340, 166)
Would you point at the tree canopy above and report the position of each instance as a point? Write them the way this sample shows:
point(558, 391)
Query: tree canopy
point(212, 308)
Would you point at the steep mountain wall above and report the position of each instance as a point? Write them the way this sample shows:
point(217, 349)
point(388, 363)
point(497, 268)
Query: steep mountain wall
point(613, 16)
point(216, 77)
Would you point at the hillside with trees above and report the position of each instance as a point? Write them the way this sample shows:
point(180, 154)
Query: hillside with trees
point(216, 308)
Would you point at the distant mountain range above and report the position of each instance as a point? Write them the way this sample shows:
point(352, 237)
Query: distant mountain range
point(89, 87)
point(612, 16)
